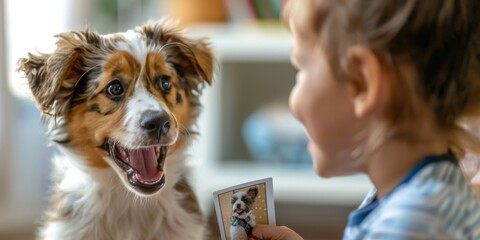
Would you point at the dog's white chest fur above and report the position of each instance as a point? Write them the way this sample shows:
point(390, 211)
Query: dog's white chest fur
point(97, 206)
point(237, 231)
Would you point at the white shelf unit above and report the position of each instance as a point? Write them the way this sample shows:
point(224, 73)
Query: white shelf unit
point(254, 70)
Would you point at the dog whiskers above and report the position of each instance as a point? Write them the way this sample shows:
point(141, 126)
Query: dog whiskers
point(85, 73)
point(112, 149)
point(173, 44)
point(139, 200)
point(184, 131)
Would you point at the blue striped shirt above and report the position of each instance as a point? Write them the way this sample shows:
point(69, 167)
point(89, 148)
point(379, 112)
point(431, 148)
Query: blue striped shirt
point(434, 201)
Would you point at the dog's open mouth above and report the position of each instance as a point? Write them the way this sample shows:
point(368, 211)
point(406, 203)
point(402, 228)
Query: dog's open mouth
point(144, 166)
point(239, 211)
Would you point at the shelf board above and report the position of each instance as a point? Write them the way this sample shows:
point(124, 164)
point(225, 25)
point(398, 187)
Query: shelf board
point(240, 42)
point(291, 184)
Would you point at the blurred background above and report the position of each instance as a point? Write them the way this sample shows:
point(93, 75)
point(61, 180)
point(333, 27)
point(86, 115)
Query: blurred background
point(247, 132)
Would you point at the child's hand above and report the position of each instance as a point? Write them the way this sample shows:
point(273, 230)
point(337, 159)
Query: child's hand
point(269, 232)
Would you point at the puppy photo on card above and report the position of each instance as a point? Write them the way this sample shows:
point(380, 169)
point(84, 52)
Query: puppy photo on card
point(241, 207)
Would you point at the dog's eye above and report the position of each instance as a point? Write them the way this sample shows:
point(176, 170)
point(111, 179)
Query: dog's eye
point(114, 89)
point(165, 83)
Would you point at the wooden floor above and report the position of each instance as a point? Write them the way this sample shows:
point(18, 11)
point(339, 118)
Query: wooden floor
point(26, 234)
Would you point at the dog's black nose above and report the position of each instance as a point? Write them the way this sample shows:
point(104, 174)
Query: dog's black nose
point(155, 122)
point(238, 205)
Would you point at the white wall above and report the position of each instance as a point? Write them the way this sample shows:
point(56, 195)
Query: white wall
point(4, 119)
point(24, 155)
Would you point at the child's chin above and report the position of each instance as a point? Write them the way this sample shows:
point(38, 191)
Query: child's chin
point(318, 160)
point(324, 174)
point(323, 167)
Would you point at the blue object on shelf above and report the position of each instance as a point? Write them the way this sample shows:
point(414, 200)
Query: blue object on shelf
point(273, 135)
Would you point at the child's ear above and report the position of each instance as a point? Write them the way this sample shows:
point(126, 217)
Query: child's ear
point(370, 84)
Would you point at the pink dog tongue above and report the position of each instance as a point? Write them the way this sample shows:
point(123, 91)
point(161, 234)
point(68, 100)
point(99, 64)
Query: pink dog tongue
point(144, 161)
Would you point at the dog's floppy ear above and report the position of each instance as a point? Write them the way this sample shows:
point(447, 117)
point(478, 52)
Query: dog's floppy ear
point(45, 74)
point(192, 59)
point(52, 77)
point(252, 192)
point(202, 59)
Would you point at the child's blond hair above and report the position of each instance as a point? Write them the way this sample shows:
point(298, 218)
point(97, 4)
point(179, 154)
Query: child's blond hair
point(439, 39)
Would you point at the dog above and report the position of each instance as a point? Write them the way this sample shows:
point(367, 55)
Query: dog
point(121, 108)
point(243, 218)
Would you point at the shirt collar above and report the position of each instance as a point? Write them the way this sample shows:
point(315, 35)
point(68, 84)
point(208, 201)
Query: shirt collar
point(371, 202)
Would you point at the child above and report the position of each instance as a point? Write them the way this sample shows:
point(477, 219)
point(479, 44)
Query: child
point(381, 88)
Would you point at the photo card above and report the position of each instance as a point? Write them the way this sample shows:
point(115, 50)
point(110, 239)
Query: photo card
point(241, 207)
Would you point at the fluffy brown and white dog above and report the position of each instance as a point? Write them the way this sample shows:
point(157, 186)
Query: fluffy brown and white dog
point(121, 109)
